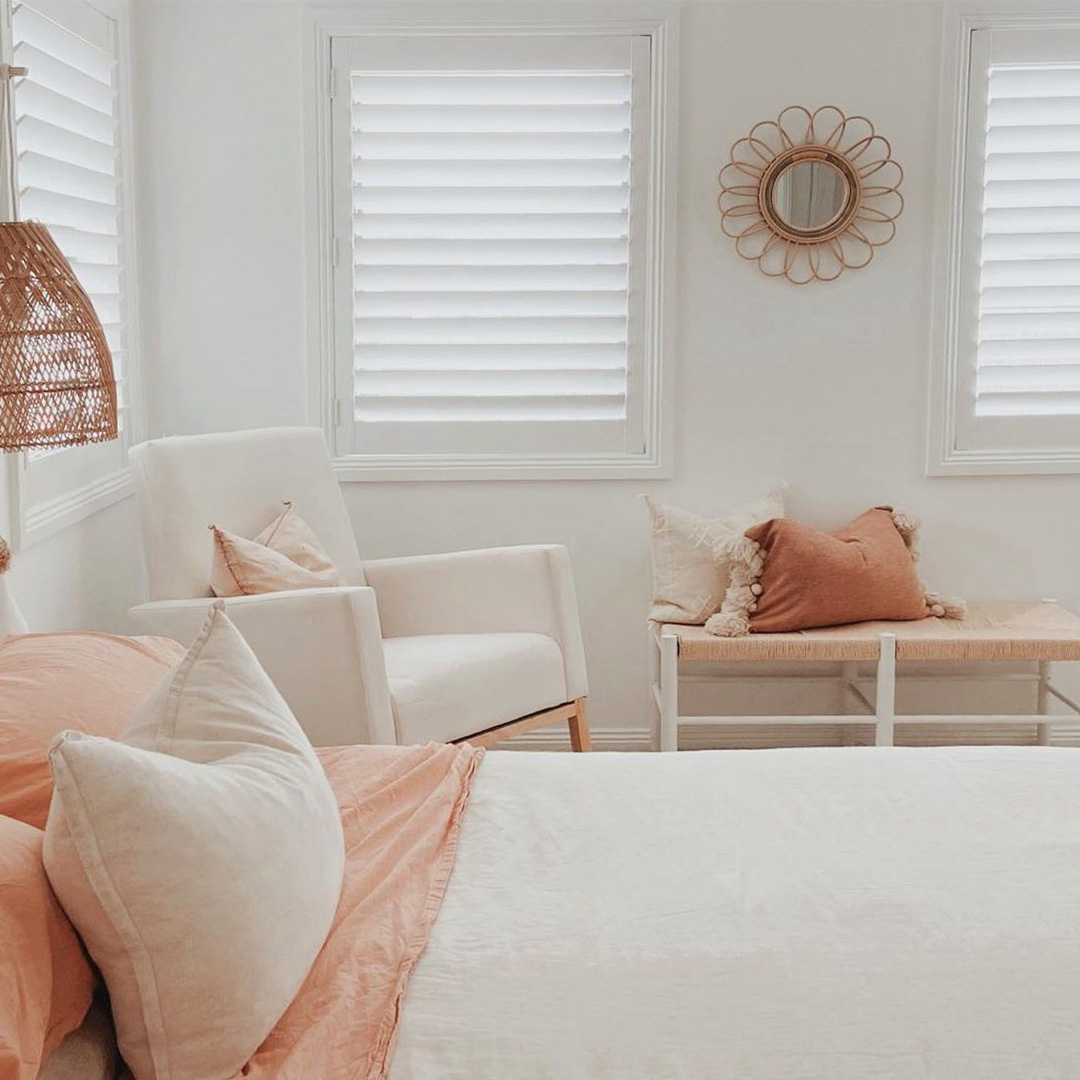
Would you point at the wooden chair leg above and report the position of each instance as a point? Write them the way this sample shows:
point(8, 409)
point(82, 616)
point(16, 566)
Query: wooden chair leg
point(580, 740)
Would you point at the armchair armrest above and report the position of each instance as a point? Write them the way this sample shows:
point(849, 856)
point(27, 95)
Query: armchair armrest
point(510, 589)
point(321, 647)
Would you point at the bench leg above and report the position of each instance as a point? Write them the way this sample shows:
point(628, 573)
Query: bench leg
point(580, 739)
point(886, 691)
point(1042, 699)
point(849, 672)
point(669, 692)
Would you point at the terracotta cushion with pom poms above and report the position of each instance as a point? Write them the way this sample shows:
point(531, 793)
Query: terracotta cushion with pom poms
point(789, 576)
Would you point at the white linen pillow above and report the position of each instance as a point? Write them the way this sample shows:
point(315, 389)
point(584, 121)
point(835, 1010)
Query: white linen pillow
point(200, 858)
point(690, 568)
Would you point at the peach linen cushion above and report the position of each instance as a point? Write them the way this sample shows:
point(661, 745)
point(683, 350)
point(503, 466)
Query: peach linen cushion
point(689, 559)
point(46, 984)
point(285, 555)
point(49, 682)
point(809, 578)
point(201, 860)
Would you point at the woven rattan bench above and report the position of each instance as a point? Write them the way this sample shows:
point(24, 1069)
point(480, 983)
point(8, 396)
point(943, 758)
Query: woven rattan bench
point(1039, 633)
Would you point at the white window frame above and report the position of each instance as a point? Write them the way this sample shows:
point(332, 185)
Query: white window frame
point(327, 361)
point(951, 414)
point(56, 491)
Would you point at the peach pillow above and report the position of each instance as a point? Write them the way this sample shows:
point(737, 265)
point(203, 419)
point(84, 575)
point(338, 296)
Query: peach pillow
point(285, 555)
point(46, 983)
point(52, 682)
point(790, 576)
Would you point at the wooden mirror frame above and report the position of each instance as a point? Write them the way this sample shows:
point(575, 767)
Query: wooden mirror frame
point(865, 221)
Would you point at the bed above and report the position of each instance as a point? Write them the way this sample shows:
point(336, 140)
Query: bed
point(804, 914)
point(848, 914)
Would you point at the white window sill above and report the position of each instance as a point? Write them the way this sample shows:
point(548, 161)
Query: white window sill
point(473, 467)
point(45, 519)
point(1004, 462)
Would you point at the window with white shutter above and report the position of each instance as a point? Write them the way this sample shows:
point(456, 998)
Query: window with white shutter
point(1013, 329)
point(496, 284)
point(70, 134)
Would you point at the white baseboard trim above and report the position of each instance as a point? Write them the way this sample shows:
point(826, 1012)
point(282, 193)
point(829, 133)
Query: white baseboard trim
point(558, 738)
point(762, 737)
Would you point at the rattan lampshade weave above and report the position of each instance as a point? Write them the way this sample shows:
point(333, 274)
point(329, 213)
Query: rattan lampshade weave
point(56, 376)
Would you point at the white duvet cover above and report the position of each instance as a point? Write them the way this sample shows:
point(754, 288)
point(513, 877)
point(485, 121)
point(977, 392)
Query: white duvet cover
point(848, 914)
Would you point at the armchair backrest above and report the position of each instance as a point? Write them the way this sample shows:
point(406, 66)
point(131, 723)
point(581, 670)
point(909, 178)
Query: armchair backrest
point(237, 480)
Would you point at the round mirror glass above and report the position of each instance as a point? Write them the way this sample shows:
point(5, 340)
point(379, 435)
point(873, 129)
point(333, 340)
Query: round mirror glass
point(808, 195)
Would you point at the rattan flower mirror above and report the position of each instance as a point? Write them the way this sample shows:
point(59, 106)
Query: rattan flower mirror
point(810, 194)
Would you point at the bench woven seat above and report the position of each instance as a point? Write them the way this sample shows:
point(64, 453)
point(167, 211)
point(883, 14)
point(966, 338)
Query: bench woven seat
point(993, 631)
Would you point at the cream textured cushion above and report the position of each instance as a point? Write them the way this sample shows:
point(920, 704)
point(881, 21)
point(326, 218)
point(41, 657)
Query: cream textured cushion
point(690, 568)
point(285, 555)
point(201, 860)
point(447, 686)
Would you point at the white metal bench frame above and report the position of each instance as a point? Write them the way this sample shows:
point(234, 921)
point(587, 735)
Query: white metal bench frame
point(665, 676)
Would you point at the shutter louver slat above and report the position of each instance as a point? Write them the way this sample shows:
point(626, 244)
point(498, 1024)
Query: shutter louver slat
point(475, 200)
point(1017, 353)
point(1031, 271)
point(1018, 298)
point(483, 278)
point(484, 408)
point(89, 51)
point(579, 144)
point(1028, 355)
point(63, 112)
point(550, 383)
point(51, 209)
point(1056, 165)
point(481, 226)
point(475, 119)
point(60, 78)
point(1036, 82)
point(583, 251)
point(67, 139)
point(64, 147)
point(492, 172)
point(1033, 139)
point(491, 246)
point(611, 88)
point(494, 331)
point(58, 177)
point(565, 356)
point(493, 305)
point(1062, 378)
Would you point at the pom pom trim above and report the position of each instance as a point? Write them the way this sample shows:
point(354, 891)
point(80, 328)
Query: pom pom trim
point(746, 560)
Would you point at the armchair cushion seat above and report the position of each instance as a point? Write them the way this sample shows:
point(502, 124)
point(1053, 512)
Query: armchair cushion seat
point(449, 686)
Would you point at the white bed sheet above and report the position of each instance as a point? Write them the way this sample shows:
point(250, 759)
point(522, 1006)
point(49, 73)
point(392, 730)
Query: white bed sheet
point(849, 914)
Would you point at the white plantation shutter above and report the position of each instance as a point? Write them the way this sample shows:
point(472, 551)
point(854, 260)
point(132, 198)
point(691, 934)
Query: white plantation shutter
point(68, 145)
point(1029, 298)
point(494, 247)
point(1016, 328)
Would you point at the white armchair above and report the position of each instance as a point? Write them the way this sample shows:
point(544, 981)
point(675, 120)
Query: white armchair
point(475, 645)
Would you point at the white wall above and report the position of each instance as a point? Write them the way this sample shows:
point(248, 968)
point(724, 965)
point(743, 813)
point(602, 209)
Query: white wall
point(824, 386)
point(84, 577)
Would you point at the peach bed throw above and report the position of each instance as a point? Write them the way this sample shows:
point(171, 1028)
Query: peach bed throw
point(401, 809)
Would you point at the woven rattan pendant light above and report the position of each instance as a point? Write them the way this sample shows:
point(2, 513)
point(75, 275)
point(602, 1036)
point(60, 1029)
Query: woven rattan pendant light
point(57, 386)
